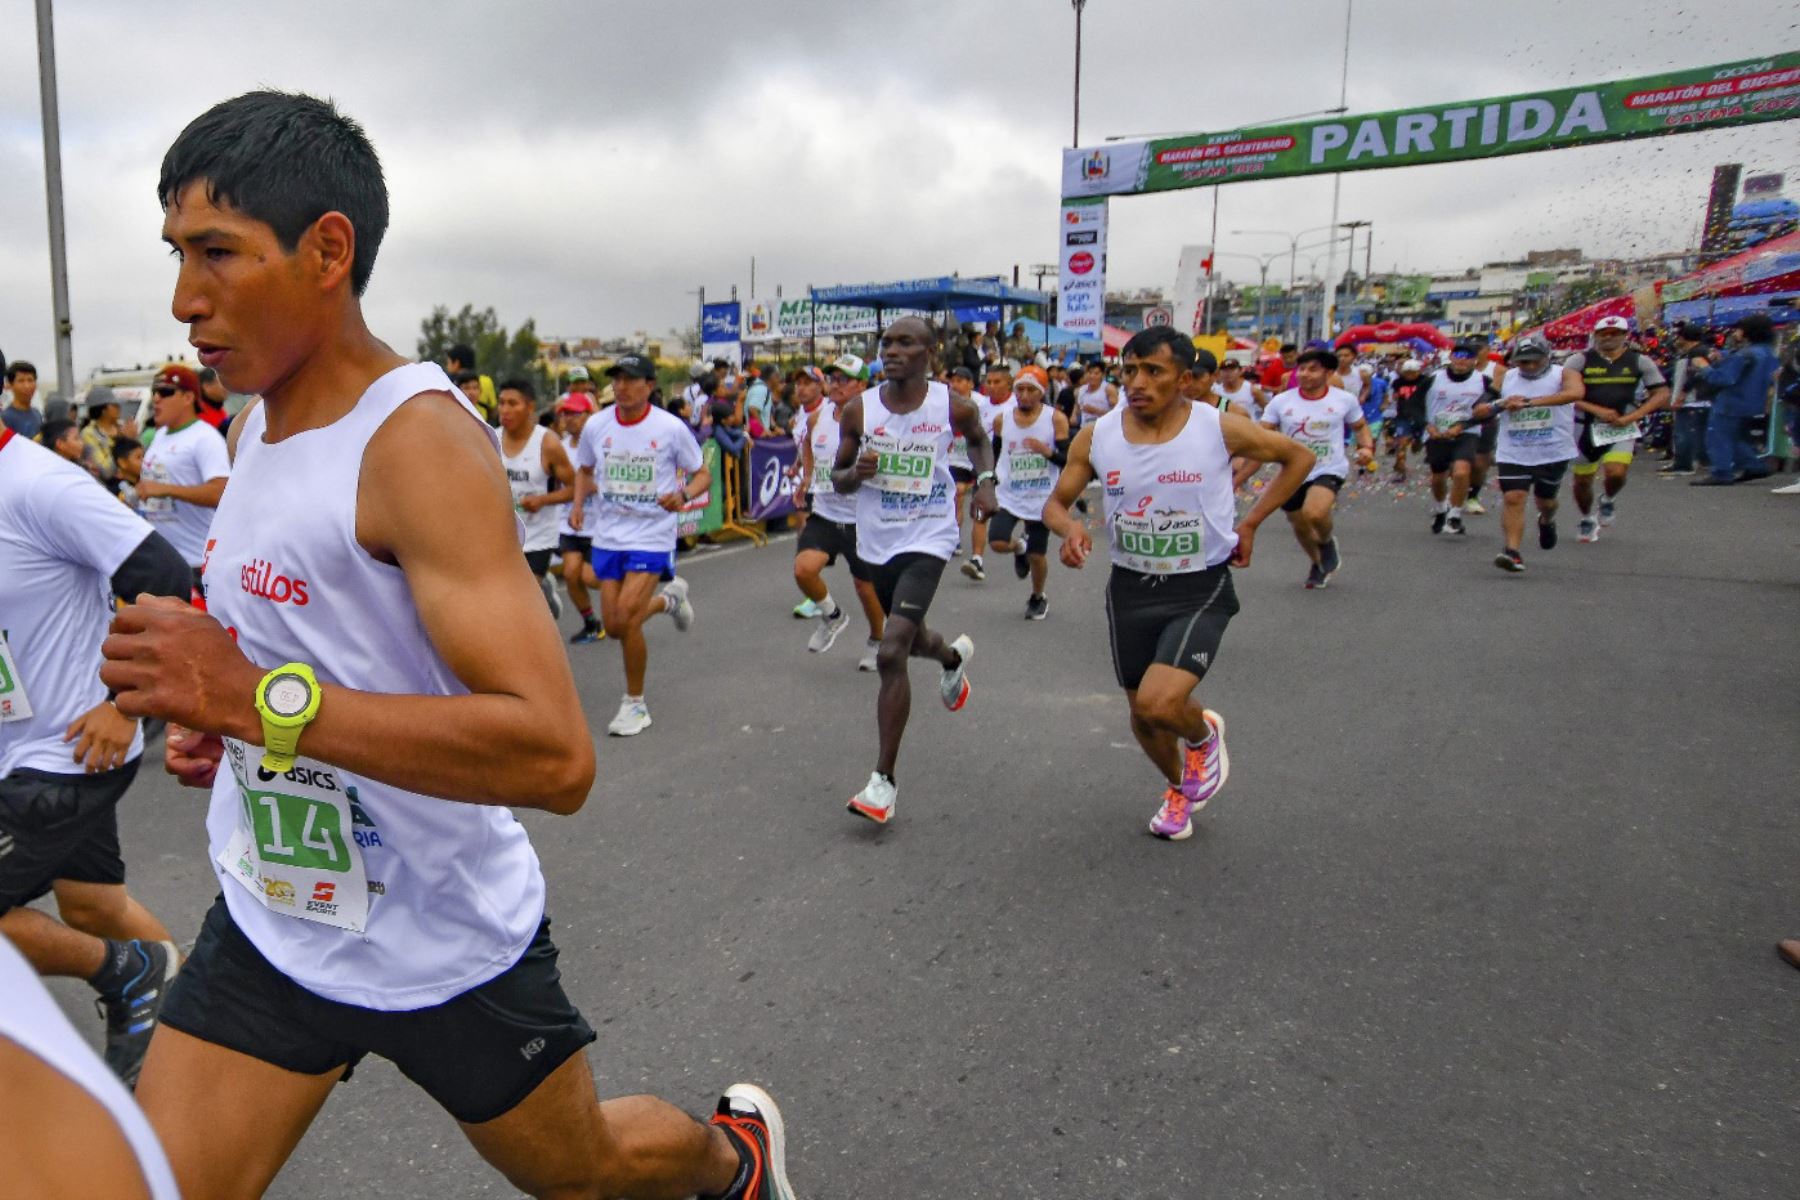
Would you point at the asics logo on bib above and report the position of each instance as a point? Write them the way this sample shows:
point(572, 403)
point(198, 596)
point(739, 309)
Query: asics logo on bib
point(258, 577)
point(325, 781)
point(1181, 477)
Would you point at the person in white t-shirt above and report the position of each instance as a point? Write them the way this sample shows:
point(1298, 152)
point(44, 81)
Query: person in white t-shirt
point(185, 467)
point(830, 529)
point(1321, 418)
point(646, 467)
point(67, 754)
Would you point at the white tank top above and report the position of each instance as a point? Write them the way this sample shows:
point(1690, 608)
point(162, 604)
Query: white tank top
point(30, 1018)
point(1241, 402)
point(1169, 507)
point(526, 476)
point(1534, 436)
point(1452, 401)
point(1024, 477)
point(906, 508)
point(827, 501)
point(1093, 401)
point(360, 892)
point(571, 444)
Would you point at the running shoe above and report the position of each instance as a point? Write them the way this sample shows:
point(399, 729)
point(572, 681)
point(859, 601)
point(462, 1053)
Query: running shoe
point(954, 686)
point(1509, 560)
point(590, 631)
point(1473, 507)
point(1437, 521)
point(828, 630)
point(683, 612)
point(806, 610)
point(1171, 821)
point(877, 799)
point(1037, 607)
point(1317, 578)
point(632, 718)
point(1588, 530)
point(1455, 523)
point(556, 603)
point(1329, 558)
point(131, 1012)
point(1606, 511)
point(1204, 768)
point(1792, 489)
point(748, 1116)
point(974, 570)
point(867, 662)
point(1021, 566)
point(1546, 535)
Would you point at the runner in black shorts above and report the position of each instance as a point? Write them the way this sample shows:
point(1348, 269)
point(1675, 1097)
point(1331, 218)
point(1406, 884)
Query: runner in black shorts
point(906, 584)
point(830, 529)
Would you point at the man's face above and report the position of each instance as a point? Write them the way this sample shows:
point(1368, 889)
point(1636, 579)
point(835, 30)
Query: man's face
point(906, 350)
point(69, 445)
point(634, 392)
point(1346, 359)
point(572, 423)
point(1313, 375)
point(1609, 341)
point(172, 407)
point(1461, 363)
point(515, 410)
point(1028, 395)
point(1531, 365)
point(472, 389)
point(131, 464)
point(807, 391)
point(24, 387)
point(1196, 384)
point(1289, 357)
point(253, 310)
point(962, 385)
point(1153, 382)
point(1231, 374)
point(1091, 377)
point(998, 386)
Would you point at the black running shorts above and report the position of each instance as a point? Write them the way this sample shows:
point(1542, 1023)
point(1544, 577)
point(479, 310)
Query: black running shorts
point(478, 1055)
point(1543, 479)
point(1037, 534)
point(906, 583)
point(574, 543)
point(1295, 501)
point(59, 827)
point(538, 561)
point(1490, 437)
point(1441, 452)
point(1176, 620)
point(832, 538)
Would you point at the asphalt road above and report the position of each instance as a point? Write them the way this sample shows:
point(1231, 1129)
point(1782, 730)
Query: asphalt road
point(1486, 909)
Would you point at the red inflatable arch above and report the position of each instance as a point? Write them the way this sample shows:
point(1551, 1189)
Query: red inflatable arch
point(1390, 331)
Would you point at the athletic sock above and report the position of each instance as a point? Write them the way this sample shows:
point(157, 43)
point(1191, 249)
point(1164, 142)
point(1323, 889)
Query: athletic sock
point(587, 615)
point(1440, 506)
point(827, 607)
point(123, 961)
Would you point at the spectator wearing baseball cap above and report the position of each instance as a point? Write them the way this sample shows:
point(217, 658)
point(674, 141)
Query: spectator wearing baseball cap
point(849, 365)
point(185, 466)
point(1740, 387)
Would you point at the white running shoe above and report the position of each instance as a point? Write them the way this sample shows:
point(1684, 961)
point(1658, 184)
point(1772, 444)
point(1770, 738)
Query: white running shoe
point(632, 719)
point(683, 612)
point(828, 630)
point(954, 686)
point(1474, 508)
point(867, 662)
point(877, 799)
point(556, 601)
point(1792, 489)
point(1588, 530)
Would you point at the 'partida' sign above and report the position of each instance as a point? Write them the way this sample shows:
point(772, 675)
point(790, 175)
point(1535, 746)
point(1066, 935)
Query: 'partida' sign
point(1743, 93)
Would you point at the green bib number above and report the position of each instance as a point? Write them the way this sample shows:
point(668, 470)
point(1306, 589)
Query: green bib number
point(296, 831)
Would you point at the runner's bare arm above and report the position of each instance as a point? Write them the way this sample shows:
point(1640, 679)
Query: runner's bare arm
point(560, 470)
point(518, 738)
point(852, 465)
point(584, 487)
point(1655, 399)
point(201, 495)
point(1077, 473)
point(967, 420)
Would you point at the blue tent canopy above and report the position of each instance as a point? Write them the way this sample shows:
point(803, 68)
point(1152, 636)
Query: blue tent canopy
point(930, 295)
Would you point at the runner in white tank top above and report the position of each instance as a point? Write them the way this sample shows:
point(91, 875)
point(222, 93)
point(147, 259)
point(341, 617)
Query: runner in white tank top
point(1320, 417)
point(1165, 463)
point(961, 382)
point(1535, 444)
point(893, 453)
point(1453, 435)
point(575, 545)
point(1096, 396)
point(1031, 440)
point(830, 529)
point(993, 402)
point(541, 479)
point(375, 684)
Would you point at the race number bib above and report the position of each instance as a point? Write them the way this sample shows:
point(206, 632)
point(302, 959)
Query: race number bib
point(630, 478)
point(821, 476)
point(1606, 435)
point(157, 507)
point(1160, 543)
point(959, 452)
point(15, 705)
point(1532, 421)
point(904, 465)
point(1028, 470)
point(294, 849)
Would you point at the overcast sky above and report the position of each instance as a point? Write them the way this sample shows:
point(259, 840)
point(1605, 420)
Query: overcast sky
point(590, 164)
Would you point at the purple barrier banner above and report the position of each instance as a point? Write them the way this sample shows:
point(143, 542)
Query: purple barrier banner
point(771, 474)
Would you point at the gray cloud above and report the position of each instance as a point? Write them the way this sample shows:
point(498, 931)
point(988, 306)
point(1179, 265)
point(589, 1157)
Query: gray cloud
point(590, 164)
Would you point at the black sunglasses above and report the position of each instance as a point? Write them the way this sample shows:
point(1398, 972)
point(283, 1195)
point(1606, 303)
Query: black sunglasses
point(164, 390)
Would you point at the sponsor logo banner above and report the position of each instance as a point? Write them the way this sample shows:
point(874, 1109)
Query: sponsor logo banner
point(1081, 300)
point(771, 472)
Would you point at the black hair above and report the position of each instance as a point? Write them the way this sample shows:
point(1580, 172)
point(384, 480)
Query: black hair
point(462, 377)
point(1757, 329)
point(1325, 358)
point(20, 367)
point(1689, 332)
point(123, 446)
point(1144, 343)
point(520, 385)
point(1286, 346)
point(207, 375)
point(1205, 362)
point(677, 405)
point(463, 353)
point(284, 159)
point(55, 431)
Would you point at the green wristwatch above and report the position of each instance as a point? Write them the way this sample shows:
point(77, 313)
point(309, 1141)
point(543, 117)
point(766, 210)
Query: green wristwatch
point(287, 700)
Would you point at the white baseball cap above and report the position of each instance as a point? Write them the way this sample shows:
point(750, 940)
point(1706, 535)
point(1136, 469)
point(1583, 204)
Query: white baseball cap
point(1411, 364)
point(1618, 323)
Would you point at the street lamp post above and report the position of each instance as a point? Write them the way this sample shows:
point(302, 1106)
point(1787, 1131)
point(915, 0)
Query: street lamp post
point(1293, 256)
point(59, 261)
point(1078, 6)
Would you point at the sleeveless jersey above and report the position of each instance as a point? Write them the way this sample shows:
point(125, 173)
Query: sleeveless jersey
point(1092, 401)
point(1534, 436)
point(572, 444)
point(360, 891)
point(827, 501)
point(1241, 402)
point(526, 476)
point(1452, 401)
point(1025, 478)
point(1613, 384)
point(1169, 507)
point(907, 508)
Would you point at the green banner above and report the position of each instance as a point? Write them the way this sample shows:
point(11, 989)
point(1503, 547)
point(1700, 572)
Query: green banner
point(705, 516)
point(1741, 93)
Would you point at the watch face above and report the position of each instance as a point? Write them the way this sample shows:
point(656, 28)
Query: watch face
point(288, 696)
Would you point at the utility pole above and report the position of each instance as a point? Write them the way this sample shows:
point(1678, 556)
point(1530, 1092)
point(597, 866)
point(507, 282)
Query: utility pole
point(59, 259)
point(1328, 297)
point(1079, 5)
